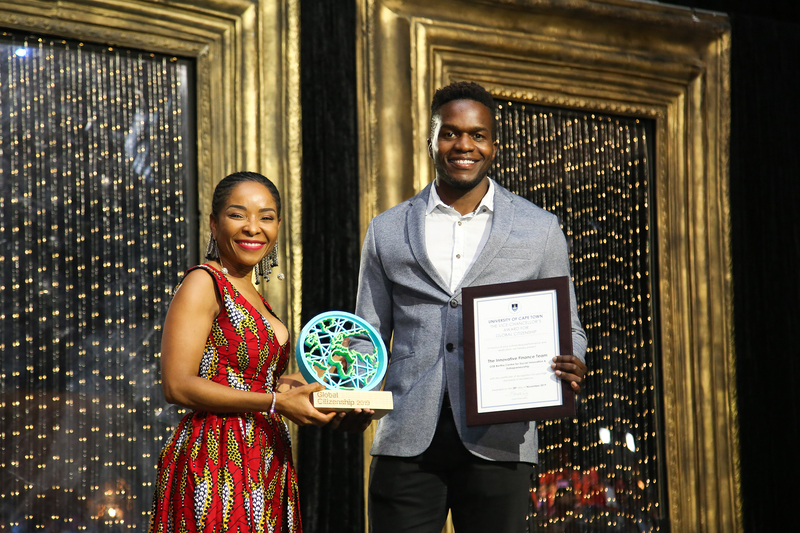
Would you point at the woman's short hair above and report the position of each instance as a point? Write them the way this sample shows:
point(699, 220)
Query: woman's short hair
point(225, 188)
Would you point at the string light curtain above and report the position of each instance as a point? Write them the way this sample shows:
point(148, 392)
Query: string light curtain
point(600, 471)
point(94, 226)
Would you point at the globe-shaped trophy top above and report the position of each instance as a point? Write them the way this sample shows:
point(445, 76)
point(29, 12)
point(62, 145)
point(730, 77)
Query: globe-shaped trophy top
point(341, 351)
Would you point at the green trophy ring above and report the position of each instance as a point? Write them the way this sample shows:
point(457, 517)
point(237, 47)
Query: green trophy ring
point(324, 357)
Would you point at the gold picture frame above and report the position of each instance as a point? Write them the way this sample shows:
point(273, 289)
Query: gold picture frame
point(247, 64)
point(641, 59)
point(247, 60)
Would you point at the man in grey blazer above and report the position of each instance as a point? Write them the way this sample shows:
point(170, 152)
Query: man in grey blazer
point(462, 230)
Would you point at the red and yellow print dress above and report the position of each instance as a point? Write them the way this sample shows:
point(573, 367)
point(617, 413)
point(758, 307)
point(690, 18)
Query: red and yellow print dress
point(226, 473)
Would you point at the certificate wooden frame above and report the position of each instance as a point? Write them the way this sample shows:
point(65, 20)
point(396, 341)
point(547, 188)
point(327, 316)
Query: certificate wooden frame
point(567, 408)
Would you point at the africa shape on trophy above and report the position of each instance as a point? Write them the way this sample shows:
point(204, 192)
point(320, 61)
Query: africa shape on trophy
point(341, 351)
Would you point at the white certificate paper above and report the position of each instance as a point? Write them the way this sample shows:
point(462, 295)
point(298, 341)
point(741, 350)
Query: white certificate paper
point(516, 338)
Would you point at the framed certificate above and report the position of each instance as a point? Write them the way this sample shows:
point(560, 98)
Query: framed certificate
point(512, 331)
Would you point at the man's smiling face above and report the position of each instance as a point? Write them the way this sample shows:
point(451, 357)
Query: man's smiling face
point(462, 148)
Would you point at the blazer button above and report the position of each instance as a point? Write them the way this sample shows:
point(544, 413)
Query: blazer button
point(450, 347)
point(453, 303)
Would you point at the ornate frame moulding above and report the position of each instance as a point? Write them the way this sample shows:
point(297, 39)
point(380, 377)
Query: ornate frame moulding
point(248, 109)
point(625, 57)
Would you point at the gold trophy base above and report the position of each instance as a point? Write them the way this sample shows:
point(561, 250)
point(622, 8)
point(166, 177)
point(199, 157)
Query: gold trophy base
point(347, 400)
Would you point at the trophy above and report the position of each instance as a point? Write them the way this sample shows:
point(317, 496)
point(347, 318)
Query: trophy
point(346, 355)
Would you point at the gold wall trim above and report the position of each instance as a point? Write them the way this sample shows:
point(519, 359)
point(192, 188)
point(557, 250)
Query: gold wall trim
point(247, 59)
point(641, 59)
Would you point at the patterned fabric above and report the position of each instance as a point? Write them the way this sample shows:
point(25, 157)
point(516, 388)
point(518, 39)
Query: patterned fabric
point(231, 472)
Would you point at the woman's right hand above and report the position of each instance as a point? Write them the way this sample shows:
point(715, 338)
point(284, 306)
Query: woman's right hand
point(295, 404)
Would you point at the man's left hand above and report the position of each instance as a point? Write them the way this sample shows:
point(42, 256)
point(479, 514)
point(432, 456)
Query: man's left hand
point(355, 421)
point(571, 369)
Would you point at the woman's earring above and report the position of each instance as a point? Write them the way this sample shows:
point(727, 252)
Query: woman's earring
point(264, 267)
point(273, 256)
point(212, 251)
point(275, 262)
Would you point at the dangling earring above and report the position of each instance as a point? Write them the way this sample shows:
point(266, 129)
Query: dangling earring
point(273, 256)
point(264, 267)
point(212, 251)
point(275, 262)
point(259, 270)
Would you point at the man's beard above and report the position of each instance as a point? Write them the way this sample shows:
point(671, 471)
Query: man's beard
point(458, 184)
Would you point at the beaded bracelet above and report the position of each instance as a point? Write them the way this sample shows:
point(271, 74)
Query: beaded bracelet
point(272, 407)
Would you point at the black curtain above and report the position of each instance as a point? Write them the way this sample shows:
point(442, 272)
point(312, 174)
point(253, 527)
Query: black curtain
point(765, 194)
point(330, 463)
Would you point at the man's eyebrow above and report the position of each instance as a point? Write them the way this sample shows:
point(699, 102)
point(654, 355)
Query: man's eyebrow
point(471, 130)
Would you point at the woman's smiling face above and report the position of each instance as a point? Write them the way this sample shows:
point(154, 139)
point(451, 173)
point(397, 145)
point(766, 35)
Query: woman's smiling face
point(246, 228)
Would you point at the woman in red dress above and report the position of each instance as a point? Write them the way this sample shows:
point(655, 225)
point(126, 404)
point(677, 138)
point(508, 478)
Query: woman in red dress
point(227, 467)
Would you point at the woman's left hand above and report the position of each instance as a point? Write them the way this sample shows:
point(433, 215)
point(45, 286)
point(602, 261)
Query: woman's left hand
point(295, 404)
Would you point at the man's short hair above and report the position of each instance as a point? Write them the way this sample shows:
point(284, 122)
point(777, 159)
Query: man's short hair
point(461, 90)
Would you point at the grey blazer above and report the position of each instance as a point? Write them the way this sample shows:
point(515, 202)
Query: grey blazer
point(402, 295)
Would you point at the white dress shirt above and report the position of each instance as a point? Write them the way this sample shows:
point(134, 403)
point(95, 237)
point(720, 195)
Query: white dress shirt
point(454, 241)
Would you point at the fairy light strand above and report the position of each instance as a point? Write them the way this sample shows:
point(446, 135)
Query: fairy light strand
point(93, 233)
point(600, 471)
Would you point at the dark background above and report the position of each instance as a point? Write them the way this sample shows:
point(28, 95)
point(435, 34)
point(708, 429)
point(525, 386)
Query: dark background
point(329, 463)
point(764, 189)
point(765, 241)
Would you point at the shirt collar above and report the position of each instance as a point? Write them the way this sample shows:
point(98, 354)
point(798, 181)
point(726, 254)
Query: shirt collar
point(434, 201)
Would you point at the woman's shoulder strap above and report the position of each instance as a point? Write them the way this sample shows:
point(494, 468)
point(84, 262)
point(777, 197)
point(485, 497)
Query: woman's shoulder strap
point(220, 279)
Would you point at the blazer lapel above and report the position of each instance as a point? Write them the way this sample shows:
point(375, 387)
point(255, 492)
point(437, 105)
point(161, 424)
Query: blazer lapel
point(416, 237)
point(502, 222)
